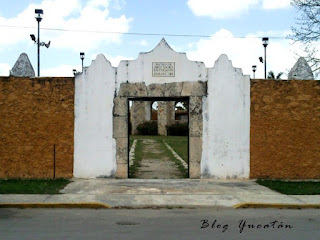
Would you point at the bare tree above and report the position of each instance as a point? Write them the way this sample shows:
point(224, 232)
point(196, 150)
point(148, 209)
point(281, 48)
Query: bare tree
point(307, 31)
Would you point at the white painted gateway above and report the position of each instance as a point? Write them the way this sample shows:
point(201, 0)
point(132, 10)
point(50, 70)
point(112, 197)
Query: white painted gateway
point(219, 112)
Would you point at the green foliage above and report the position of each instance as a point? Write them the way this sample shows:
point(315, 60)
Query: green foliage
point(183, 171)
point(179, 145)
point(178, 129)
point(148, 128)
point(292, 187)
point(32, 186)
point(271, 75)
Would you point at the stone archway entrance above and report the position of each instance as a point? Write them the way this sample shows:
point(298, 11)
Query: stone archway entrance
point(219, 112)
point(194, 91)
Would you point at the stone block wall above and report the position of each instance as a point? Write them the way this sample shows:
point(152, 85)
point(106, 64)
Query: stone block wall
point(35, 114)
point(285, 129)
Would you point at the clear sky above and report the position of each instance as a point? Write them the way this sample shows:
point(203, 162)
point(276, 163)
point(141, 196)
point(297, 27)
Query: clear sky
point(234, 27)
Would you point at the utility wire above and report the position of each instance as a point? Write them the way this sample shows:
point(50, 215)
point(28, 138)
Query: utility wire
point(138, 33)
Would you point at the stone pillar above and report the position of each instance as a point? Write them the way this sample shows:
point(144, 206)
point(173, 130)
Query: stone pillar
point(120, 134)
point(171, 112)
point(140, 112)
point(166, 116)
point(148, 110)
point(162, 119)
point(195, 136)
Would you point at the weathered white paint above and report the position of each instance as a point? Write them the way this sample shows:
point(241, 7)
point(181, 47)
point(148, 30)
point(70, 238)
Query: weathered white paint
point(226, 122)
point(94, 147)
point(226, 112)
point(140, 70)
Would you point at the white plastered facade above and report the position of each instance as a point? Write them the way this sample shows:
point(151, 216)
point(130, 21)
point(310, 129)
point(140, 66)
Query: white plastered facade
point(226, 112)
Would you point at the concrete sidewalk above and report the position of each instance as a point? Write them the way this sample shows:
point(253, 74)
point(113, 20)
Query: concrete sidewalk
point(140, 193)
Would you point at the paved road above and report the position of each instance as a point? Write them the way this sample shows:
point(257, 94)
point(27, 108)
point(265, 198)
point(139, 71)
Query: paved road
point(159, 224)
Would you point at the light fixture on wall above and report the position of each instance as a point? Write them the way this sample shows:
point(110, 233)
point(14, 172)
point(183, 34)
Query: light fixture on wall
point(261, 59)
point(33, 38)
point(265, 42)
point(82, 58)
point(254, 68)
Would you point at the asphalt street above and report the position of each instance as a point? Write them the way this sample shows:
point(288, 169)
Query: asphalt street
point(204, 223)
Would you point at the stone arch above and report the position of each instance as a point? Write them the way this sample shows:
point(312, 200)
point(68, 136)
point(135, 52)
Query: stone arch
point(193, 90)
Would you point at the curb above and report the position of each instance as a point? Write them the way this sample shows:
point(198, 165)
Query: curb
point(176, 155)
point(275, 205)
point(92, 205)
point(96, 205)
point(132, 152)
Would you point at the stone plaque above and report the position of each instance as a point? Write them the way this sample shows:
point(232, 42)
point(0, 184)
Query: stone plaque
point(163, 69)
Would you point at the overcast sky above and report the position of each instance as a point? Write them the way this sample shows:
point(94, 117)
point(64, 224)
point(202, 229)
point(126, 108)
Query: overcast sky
point(234, 27)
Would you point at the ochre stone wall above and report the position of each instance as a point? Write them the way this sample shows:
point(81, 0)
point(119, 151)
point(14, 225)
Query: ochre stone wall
point(35, 114)
point(285, 129)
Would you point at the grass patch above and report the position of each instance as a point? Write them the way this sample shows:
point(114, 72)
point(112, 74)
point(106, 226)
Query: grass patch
point(32, 186)
point(183, 171)
point(178, 143)
point(130, 142)
point(292, 187)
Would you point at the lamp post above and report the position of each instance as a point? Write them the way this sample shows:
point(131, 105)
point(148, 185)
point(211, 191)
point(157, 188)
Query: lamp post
point(38, 16)
point(82, 58)
point(254, 68)
point(265, 42)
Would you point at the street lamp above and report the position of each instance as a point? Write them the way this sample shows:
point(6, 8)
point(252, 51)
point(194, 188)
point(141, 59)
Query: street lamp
point(38, 16)
point(254, 68)
point(265, 42)
point(82, 58)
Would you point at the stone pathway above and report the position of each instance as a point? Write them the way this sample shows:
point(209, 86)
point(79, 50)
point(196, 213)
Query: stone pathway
point(156, 163)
